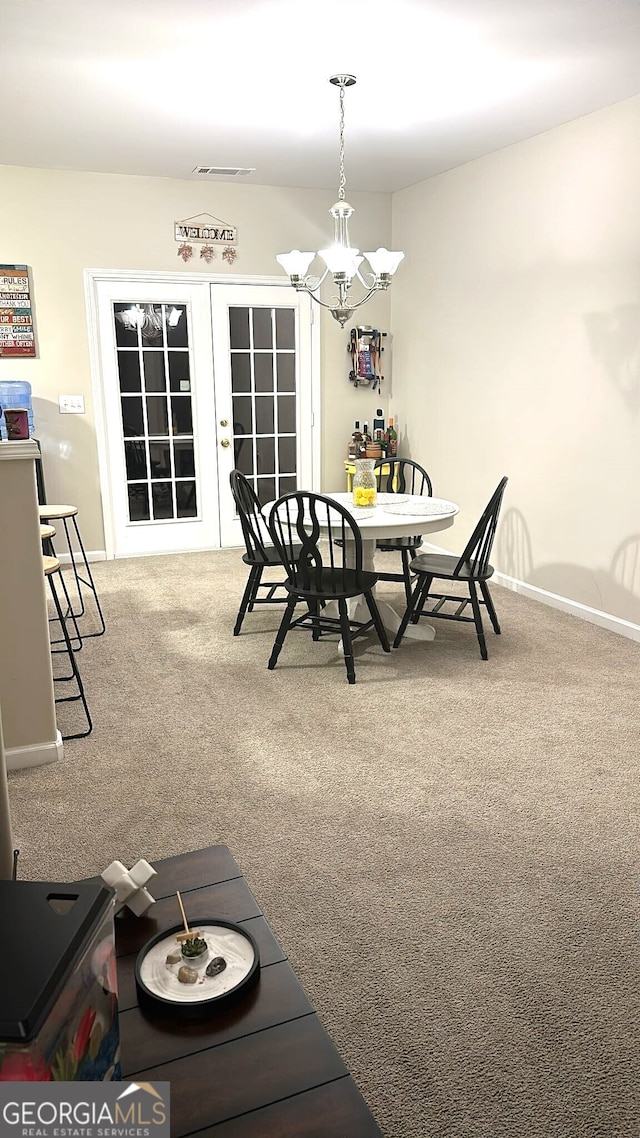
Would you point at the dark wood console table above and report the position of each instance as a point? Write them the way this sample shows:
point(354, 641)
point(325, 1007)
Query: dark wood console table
point(263, 1067)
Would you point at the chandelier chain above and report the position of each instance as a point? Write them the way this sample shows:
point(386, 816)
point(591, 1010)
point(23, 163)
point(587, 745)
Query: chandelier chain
point(343, 180)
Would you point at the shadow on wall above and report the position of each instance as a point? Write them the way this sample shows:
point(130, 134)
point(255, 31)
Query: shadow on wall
point(614, 338)
point(615, 590)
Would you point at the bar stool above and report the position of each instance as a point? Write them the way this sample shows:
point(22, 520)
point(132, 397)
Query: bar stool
point(67, 514)
point(47, 533)
point(51, 567)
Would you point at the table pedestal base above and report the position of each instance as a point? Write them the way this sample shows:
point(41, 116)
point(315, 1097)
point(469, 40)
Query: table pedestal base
point(357, 606)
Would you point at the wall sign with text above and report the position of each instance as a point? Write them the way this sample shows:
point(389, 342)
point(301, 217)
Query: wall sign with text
point(17, 333)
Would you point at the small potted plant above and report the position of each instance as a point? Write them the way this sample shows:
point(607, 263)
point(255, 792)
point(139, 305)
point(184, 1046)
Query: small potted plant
point(194, 950)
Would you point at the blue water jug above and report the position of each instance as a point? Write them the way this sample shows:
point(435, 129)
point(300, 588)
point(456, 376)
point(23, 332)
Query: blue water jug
point(15, 393)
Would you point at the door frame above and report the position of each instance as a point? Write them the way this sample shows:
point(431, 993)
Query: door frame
point(92, 278)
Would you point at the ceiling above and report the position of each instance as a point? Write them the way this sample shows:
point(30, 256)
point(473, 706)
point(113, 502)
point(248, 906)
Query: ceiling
point(157, 87)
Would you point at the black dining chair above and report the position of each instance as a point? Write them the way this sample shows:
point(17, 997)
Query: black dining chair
point(471, 568)
point(259, 554)
point(401, 476)
point(320, 545)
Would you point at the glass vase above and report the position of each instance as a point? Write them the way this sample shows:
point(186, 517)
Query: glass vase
point(364, 483)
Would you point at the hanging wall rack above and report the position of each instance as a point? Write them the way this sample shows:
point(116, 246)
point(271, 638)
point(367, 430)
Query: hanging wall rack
point(365, 348)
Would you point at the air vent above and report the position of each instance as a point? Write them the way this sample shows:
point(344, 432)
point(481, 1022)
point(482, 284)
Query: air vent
point(230, 171)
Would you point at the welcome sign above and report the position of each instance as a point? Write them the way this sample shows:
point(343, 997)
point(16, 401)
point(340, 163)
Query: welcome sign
point(206, 229)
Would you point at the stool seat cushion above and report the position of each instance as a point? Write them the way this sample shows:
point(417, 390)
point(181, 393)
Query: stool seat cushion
point(47, 512)
point(50, 565)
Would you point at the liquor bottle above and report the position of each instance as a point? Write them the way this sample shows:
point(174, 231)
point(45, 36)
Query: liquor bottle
point(392, 439)
point(378, 426)
point(366, 438)
point(355, 442)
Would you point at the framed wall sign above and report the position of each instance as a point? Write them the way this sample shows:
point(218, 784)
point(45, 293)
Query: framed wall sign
point(17, 332)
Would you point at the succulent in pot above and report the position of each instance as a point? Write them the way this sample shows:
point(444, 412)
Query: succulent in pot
point(194, 950)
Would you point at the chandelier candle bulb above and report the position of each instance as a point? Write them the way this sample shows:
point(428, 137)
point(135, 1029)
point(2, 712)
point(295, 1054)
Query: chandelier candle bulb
point(342, 261)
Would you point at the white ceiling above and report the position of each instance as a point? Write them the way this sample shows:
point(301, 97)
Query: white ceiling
point(159, 86)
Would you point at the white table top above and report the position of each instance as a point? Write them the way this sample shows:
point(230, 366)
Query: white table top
point(424, 514)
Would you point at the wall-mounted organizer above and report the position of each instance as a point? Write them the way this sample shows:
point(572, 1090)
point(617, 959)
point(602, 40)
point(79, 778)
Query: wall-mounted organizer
point(365, 348)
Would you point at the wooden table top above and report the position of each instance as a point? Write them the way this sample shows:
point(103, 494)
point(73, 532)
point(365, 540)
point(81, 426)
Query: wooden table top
point(262, 1067)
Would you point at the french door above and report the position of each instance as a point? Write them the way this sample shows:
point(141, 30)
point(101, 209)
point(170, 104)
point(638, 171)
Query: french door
point(194, 378)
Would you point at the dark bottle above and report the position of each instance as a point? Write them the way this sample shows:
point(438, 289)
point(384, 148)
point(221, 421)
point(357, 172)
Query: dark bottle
point(378, 426)
point(391, 438)
point(355, 443)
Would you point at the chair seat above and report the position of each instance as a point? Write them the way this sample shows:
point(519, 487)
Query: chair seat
point(47, 531)
point(50, 565)
point(271, 558)
point(399, 543)
point(325, 590)
point(49, 513)
point(444, 565)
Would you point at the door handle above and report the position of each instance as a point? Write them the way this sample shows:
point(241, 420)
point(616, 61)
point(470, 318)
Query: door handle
point(224, 443)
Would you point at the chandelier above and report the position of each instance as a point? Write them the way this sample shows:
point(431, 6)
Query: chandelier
point(341, 260)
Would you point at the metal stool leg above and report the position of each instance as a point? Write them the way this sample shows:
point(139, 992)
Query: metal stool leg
point(75, 674)
point(90, 583)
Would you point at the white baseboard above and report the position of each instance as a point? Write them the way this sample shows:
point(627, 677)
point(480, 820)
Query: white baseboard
point(92, 555)
point(35, 755)
point(565, 604)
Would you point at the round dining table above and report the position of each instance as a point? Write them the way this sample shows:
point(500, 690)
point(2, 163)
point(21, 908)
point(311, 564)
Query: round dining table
point(394, 516)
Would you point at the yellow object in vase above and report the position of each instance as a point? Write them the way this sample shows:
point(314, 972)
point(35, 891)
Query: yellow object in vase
point(364, 488)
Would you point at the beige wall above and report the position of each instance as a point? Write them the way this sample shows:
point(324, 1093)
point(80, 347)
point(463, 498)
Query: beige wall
point(516, 321)
point(60, 223)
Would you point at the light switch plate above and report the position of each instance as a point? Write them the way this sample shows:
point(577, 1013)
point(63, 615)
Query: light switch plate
point(71, 404)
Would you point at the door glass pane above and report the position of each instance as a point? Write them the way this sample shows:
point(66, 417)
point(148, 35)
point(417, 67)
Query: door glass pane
point(286, 414)
point(151, 326)
point(186, 499)
point(243, 452)
point(162, 500)
point(266, 490)
point(263, 366)
point(179, 371)
point(240, 371)
point(132, 419)
point(136, 459)
point(184, 458)
point(138, 502)
point(153, 351)
point(262, 328)
point(288, 485)
point(238, 327)
point(242, 416)
point(266, 451)
point(176, 324)
point(285, 328)
point(154, 375)
point(157, 415)
point(286, 364)
point(129, 371)
point(264, 416)
point(160, 459)
point(181, 415)
point(287, 455)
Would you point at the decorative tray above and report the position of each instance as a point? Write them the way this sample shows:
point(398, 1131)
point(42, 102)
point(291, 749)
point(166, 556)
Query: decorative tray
point(159, 988)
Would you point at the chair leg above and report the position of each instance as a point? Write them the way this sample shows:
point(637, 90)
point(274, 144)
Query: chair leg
point(282, 632)
point(488, 600)
point(409, 611)
point(422, 599)
point(256, 585)
point(477, 616)
point(74, 668)
point(250, 590)
point(312, 605)
point(377, 620)
point(405, 554)
point(347, 646)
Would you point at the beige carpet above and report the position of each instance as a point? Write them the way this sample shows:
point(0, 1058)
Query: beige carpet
point(448, 850)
